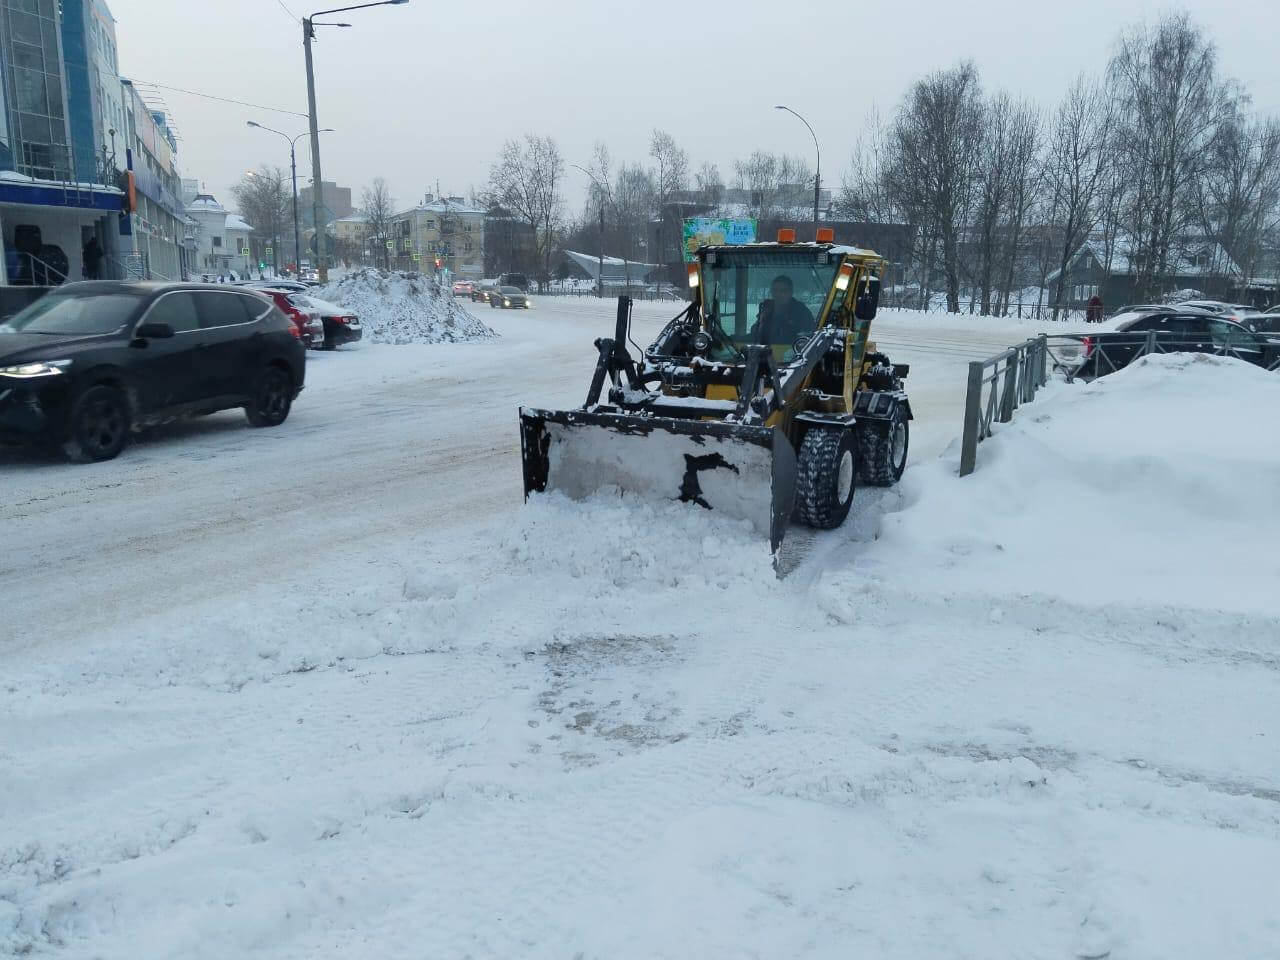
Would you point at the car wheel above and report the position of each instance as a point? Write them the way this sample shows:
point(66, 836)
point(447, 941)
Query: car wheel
point(99, 425)
point(272, 398)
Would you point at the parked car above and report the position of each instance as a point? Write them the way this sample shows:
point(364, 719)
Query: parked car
point(90, 363)
point(310, 326)
point(1115, 343)
point(463, 288)
point(340, 325)
point(480, 292)
point(508, 298)
point(1232, 311)
point(1161, 308)
point(277, 284)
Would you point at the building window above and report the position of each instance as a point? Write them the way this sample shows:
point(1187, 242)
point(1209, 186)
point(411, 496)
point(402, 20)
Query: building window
point(217, 241)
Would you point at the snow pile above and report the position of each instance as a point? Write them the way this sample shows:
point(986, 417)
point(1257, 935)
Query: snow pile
point(1130, 489)
point(400, 307)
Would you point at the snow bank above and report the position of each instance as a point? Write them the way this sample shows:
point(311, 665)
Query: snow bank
point(1155, 485)
point(400, 307)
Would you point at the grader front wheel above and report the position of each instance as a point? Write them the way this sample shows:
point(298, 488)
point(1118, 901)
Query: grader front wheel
point(825, 475)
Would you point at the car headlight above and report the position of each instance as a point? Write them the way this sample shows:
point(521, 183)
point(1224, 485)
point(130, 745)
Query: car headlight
point(39, 368)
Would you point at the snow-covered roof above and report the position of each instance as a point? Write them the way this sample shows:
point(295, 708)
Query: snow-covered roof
point(613, 266)
point(236, 224)
point(1188, 257)
point(354, 218)
point(205, 203)
point(437, 207)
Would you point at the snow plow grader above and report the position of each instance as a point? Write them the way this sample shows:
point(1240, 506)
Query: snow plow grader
point(764, 399)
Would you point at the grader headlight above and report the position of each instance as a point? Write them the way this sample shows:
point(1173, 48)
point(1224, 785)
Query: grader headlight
point(844, 277)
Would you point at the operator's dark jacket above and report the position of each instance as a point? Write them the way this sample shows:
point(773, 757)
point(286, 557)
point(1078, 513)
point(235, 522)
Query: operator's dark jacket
point(783, 327)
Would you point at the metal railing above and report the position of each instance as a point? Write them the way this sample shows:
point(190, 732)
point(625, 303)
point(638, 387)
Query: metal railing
point(1020, 309)
point(28, 270)
point(612, 292)
point(1091, 355)
point(997, 387)
point(1000, 384)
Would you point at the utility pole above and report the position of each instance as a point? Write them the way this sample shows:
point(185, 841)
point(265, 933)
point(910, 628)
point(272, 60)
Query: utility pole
point(600, 276)
point(317, 188)
point(297, 241)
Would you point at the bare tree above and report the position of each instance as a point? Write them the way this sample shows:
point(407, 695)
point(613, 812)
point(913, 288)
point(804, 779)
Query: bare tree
point(1026, 179)
point(1080, 151)
point(934, 143)
point(1238, 195)
point(263, 199)
point(776, 186)
point(527, 180)
point(709, 184)
point(670, 180)
point(1172, 102)
point(377, 206)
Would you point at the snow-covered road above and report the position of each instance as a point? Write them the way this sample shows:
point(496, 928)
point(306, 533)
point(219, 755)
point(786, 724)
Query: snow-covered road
point(332, 691)
point(385, 443)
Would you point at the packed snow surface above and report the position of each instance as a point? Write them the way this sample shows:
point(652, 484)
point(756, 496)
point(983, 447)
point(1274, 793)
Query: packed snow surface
point(400, 307)
point(1028, 713)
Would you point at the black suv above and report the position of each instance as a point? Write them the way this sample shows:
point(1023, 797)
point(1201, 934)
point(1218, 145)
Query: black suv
point(1182, 331)
point(90, 363)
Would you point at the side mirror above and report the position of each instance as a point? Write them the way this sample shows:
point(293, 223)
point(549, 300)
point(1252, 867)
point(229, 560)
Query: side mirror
point(864, 308)
point(154, 331)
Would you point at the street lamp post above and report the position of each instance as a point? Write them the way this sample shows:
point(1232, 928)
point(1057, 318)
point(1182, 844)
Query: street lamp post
point(293, 171)
point(817, 176)
point(308, 34)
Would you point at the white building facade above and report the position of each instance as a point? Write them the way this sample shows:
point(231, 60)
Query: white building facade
point(219, 240)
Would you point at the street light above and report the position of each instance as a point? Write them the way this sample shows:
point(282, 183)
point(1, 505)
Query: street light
point(293, 170)
point(308, 34)
point(817, 177)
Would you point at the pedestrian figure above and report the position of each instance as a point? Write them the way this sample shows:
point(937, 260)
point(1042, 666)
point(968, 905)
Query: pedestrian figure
point(92, 259)
point(1093, 313)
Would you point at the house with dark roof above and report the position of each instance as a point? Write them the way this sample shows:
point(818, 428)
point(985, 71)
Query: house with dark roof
point(1195, 263)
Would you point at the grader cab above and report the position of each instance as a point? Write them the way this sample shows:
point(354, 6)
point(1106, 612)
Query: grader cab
point(764, 399)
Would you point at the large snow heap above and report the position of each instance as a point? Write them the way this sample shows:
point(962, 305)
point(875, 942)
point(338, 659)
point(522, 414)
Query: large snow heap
point(401, 307)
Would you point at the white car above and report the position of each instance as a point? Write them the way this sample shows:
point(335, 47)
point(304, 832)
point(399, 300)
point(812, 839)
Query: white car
point(340, 324)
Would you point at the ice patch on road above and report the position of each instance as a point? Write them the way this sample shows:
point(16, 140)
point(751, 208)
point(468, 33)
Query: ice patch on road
point(399, 307)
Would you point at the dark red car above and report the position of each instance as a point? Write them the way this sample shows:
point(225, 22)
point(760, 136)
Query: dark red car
point(310, 326)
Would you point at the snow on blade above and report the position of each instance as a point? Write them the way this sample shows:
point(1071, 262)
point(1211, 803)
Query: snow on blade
point(400, 307)
point(732, 477)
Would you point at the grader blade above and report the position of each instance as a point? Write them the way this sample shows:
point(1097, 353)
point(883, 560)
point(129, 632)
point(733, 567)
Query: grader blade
point(745, 472)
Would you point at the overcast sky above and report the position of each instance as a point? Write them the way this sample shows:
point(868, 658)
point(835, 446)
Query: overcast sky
point(428, 91)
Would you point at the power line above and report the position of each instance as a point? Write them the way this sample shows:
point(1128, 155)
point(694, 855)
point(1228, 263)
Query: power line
point(288, 11)
point(210, 96)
